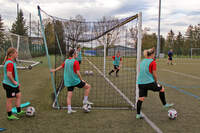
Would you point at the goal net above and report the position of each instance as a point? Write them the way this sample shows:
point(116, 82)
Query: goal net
point(21, 43)
point(100, 41)
point(195, 53)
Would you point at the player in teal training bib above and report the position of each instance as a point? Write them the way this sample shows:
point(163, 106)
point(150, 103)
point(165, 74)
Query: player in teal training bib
point(79, 57)
point(11, 84)
point(117, 63)
point(147, 80)
point(72, 79)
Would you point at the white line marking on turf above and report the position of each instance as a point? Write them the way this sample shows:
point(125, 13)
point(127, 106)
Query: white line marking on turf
point(183, 74)
point(145, 117)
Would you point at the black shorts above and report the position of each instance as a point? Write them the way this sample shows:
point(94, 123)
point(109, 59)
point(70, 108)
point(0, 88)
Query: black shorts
point(169, 58)
point(80, 85)
point(143, 88)
point(79, 62)
point(11, 91)
point(116, 66)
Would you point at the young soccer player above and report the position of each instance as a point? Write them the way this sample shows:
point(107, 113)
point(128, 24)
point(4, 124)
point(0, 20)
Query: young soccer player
point(147, 80)
point(117, 63)
point(11, 84)
point(79, 57)
point(72, 79)
point(170, 54)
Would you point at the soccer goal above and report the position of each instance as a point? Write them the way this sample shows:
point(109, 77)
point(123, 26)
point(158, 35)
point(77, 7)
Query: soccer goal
point(195, 53)
point(100, 41)
point(21, 43)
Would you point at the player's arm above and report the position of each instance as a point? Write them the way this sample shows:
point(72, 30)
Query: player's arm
point(154, 72)
point(79, 74)
point(77, 69)
point(10, 69)
point(120, 65)
point(10, 76)
point(58, 68)
point(155, 75)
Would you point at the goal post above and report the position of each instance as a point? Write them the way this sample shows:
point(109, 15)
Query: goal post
point(21, 44)
point(103, 39)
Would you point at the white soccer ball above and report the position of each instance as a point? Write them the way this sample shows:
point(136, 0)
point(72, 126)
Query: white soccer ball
point(86, 72)
point(86, 108)
point(91, 72)
point(30, 111)
point(172, 113)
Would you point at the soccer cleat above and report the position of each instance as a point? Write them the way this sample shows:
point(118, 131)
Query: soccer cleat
point(167, 105)
point(139, 116)
point(87, 102)
point(71, 111)
point(21, 113)
point(12, 117)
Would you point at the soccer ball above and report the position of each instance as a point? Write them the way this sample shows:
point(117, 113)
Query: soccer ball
point(91, 72)
point(86, 108)
point(86, 72)
point(30, 111)
point(172, 113)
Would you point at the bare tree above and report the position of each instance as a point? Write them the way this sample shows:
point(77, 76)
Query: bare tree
point(104, 25)
point(74, 30)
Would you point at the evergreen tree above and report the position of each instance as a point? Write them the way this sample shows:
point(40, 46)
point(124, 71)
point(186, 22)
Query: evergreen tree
point(19, 26)
point(179, 44)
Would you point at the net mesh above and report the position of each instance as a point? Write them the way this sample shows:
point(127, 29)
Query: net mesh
point(99, 42)
point(21, 43)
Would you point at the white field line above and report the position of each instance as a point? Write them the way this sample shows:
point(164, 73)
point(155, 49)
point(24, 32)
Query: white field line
point(145, 117)
point(183, 74)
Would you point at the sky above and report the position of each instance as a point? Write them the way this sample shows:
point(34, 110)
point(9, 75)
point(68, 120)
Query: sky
point(175, 14)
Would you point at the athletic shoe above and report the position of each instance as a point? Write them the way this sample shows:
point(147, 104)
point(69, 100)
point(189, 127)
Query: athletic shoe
point(87, 102)
point(13, 117)
point(167, 105)
point(139, 116)
point(21, 113)
point(71, 111)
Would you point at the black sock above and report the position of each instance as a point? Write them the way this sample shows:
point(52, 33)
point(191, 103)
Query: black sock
point(162, 97)
point(18, 109)
point(111, 71)
point(139, 105)
point(117, 71)
point(9, 113)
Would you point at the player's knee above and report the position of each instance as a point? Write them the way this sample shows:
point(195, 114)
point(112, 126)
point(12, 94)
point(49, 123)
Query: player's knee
point(141, 98)
point(87, 86)
point(18, 95)
point(162, 90)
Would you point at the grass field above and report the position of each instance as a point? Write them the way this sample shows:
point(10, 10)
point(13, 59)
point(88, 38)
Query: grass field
point(37, 88)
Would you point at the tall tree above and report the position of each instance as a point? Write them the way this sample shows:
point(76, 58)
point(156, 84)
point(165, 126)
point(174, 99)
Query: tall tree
point(19, 26)
point(111, 38)
point(179, 43)
point(74, 29)
point(50, 36)
point(1, 40)
point(149, 41)
point(1, 29)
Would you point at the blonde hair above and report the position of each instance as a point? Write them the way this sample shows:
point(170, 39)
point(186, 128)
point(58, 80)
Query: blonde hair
point(9, 52)
point(148, 52)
